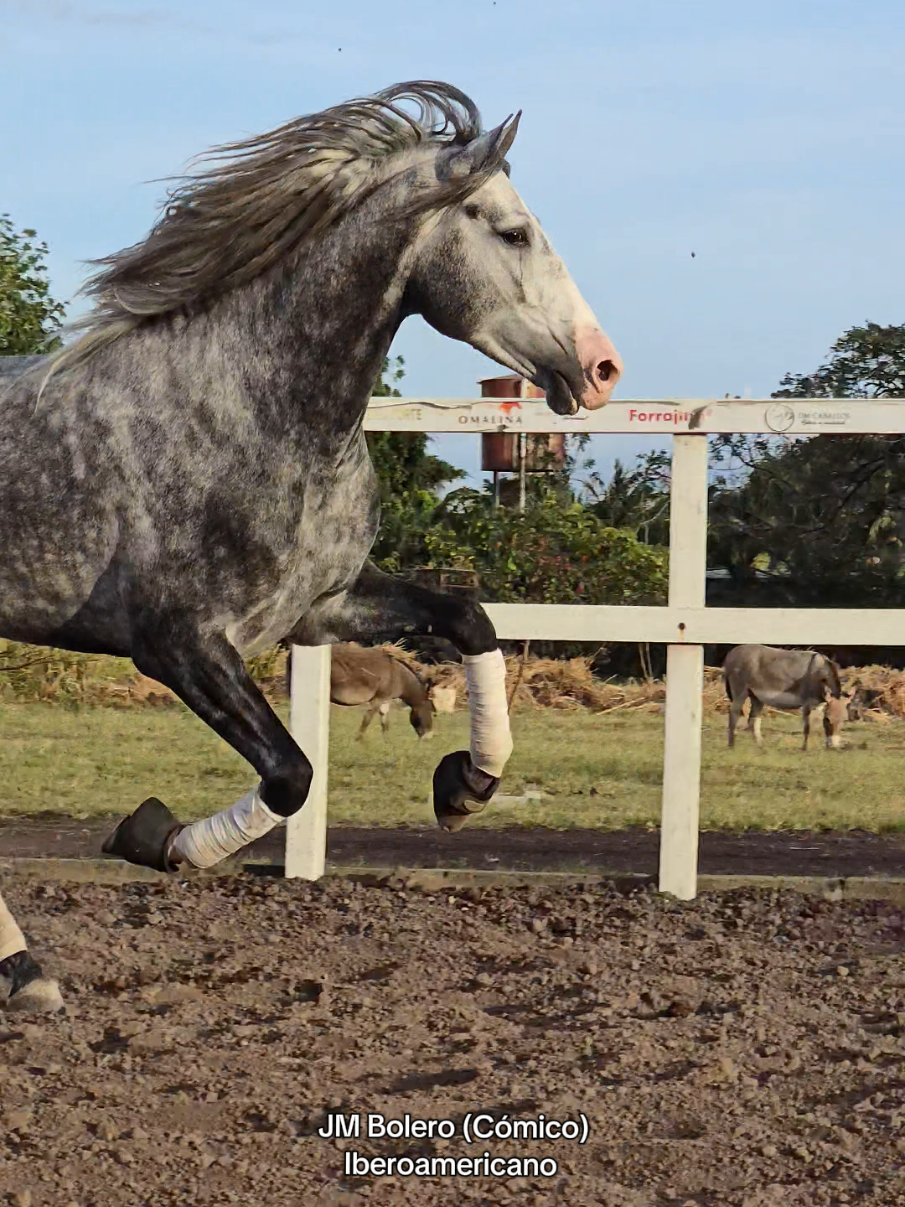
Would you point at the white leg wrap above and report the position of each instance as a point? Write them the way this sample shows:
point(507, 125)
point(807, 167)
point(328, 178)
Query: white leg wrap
point(205, 843)
point(491, 741)
point(11, 938)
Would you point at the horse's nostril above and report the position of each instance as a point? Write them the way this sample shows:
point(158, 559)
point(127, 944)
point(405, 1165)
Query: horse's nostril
point(606, 369)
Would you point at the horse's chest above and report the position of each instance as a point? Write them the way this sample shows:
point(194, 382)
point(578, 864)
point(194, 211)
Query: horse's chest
point(334, 531)
point(324, 547)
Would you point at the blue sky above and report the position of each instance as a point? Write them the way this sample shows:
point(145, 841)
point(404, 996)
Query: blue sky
point(767, 138)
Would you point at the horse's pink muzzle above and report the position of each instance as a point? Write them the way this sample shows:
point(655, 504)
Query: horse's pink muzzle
point(601, 366)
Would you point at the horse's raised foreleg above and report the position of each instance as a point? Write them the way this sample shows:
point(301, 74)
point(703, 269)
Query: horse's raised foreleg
point(28, 990)
point(207, 673)
point(379, 607)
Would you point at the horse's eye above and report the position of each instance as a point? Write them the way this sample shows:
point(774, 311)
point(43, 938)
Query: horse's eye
point(515, 238)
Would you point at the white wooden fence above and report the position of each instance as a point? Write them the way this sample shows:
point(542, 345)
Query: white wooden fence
point(685, 624)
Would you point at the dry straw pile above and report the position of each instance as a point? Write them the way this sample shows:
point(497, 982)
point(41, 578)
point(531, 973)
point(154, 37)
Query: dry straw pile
point(887, 683)
point(571, 684)
point(31, 674)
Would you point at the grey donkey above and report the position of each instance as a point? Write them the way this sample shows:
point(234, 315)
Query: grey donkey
point(375, 678)
point(785, 679)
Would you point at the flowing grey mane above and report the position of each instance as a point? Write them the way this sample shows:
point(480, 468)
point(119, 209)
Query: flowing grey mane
point(259, 199)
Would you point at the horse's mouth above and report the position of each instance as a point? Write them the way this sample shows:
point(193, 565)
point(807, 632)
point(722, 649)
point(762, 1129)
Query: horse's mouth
point(559, 394)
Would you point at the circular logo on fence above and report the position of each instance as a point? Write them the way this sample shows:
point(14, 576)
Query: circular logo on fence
point(779, 417)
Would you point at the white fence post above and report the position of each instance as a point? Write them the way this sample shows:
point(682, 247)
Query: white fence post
point(684, 672)
point(309, 724)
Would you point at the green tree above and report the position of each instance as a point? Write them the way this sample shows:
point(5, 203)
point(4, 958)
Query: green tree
point(819, 521)
point(410, 478)
point(30, 319)
point(556, 551)
point(864, 362)
point(550, 553)
point(636, 499)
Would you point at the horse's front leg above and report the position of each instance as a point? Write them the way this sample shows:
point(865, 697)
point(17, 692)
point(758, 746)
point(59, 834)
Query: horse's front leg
point(381, 608)
point(28, 990)
point(208, 675)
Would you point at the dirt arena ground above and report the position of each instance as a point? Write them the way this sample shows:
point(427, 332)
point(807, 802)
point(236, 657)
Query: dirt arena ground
point(517, 848)
point(742, 1050)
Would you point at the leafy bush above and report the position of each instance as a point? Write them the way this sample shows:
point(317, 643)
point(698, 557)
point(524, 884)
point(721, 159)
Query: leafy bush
point(553, 552)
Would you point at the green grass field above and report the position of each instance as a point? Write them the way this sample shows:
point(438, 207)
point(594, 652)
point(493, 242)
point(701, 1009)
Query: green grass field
point(600, 771)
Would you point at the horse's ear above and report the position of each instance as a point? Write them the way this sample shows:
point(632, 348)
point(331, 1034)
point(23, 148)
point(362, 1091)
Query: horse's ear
point(484, 155)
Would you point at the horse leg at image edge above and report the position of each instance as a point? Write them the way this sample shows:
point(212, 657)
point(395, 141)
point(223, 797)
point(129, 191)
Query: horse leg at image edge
point(28, 990)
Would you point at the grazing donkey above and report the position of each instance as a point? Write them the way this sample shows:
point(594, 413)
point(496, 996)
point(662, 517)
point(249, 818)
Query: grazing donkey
point(190, 483)
point(374, 677)
point(786, 679)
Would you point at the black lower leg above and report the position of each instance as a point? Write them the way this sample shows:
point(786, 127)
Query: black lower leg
point(208, 675)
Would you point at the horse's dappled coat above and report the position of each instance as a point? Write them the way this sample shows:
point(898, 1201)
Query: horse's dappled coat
point(190, 483)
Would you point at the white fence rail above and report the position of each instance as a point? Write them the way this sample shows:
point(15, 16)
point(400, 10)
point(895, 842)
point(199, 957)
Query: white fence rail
point(684, 624)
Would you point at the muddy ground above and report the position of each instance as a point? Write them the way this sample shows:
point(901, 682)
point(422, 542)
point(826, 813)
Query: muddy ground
point(746, 1049)
point(607, 852)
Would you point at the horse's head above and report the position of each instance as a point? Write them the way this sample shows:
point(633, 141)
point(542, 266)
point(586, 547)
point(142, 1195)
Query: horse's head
point(484, 273)
point(465, 251)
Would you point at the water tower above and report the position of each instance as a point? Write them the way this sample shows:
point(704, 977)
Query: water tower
point(518, 452)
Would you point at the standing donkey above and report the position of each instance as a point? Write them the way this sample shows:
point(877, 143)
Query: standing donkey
point(189, 483)
point(374, 677)
point(785, 679)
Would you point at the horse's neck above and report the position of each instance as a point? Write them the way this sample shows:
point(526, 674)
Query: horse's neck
point(317, 332)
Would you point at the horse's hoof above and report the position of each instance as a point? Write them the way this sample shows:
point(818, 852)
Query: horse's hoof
point(145, 838)
point(459, 790)
point(40, 997)
point(30, 992)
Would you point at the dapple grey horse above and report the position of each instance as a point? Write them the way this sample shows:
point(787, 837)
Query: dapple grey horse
point(189, 483)
point(785, 679)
